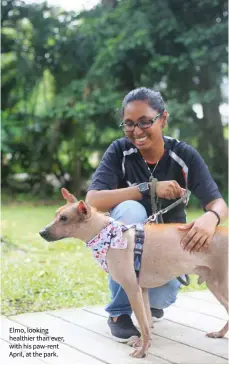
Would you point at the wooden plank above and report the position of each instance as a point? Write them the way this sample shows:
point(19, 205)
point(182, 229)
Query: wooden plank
point(192, 337)
point(65, 353)
point(192, 319)
point(201, 306)
point(172, 351)
point(87, 341)
point(181, 333)
point(205, 295)
point(4, 350)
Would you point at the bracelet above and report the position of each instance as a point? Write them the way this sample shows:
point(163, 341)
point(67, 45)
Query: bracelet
point(216, 214)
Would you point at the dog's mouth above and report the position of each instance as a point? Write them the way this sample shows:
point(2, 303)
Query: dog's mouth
point(48, 237)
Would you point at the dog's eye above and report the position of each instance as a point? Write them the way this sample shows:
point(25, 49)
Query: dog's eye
point(63, 218)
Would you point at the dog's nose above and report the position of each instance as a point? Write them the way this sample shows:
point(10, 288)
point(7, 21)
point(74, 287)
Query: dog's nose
point(43, 233)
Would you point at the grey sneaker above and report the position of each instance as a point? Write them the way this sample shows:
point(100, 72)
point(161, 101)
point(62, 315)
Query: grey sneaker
point(123, 330)
point(157, 314)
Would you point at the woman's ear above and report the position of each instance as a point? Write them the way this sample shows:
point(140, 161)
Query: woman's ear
point(164, 118)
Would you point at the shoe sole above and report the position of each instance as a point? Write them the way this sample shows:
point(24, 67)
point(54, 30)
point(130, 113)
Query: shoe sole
point(155, 319)
point(122, 340)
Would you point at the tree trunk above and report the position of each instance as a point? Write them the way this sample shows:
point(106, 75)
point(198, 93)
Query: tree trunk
point(46, 166)
point(76, 177)
point(211, 133)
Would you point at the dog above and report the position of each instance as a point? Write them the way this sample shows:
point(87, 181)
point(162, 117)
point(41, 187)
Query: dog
point(162, 258)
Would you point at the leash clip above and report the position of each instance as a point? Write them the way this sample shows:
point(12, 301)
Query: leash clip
point(152, 218)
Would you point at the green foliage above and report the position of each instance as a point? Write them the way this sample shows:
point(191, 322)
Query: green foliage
point(65, 74)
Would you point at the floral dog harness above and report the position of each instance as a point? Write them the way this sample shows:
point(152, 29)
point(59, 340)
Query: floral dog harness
point(112, 236)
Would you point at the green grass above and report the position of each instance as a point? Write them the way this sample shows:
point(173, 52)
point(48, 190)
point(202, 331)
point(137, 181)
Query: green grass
point(38, 276)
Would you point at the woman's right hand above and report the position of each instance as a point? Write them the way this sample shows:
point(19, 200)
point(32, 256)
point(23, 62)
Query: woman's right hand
point(169, 189)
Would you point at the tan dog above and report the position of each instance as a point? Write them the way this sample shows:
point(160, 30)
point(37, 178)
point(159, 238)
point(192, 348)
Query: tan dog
point(162, 260)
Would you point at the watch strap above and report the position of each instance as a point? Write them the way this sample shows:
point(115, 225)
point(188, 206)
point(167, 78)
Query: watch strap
point(144, 191)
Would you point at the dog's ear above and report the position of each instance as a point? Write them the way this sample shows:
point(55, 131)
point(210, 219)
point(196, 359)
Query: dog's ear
point(83, 209)
point(67, 196)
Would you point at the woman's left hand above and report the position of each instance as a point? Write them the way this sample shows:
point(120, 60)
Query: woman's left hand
point(200, 234)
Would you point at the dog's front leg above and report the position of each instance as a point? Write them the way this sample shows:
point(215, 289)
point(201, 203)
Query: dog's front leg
point(122, 271)
point(134, 294)
point(145, 295)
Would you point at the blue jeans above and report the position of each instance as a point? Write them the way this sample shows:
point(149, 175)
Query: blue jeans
point(161, 297)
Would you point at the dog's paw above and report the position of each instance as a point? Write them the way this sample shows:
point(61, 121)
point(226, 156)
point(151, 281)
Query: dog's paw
point(138, 353)
point(214, 334)
point(138, 343)
point(141, 348)
point(133, 341)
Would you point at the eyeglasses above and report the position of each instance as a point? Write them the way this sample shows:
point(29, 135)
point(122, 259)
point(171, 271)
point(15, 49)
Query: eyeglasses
point(129, 126)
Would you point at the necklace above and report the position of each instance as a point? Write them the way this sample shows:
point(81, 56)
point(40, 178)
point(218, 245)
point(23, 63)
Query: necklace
point(151, 172)
point(151, 177)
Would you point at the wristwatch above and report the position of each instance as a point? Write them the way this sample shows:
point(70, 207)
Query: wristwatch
point(144, 189)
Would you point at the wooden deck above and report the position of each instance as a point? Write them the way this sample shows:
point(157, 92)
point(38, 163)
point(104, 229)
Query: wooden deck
point(179, 338)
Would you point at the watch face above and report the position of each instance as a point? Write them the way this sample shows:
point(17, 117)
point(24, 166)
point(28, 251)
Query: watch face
point(143, 187)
